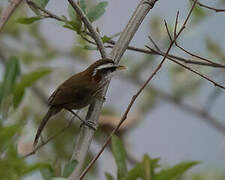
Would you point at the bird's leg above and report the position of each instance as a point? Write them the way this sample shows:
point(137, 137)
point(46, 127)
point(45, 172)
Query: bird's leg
point(83, 122)
point(90, 124)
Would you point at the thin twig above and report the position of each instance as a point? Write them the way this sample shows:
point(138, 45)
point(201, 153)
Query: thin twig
point(132, 48)
point(192, 70)
point(149, 37)
point(89, 26)
point(49, 139)
point(48, 13)
point(8, 11)
point(135, 97)
point(154, 52)
point(210, 8)
point(167, 29)
point(199, 57)
point(175, 26)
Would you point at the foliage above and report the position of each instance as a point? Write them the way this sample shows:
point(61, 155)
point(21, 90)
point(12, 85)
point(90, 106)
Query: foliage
point(147, 169)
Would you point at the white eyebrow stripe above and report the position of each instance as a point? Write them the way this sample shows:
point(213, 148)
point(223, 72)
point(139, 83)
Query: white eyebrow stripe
point(102, 67)
point(105, 66)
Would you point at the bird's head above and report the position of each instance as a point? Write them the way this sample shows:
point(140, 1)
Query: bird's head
point(104, 69)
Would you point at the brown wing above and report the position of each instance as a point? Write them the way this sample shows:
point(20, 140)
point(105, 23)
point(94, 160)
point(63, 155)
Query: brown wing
point(72, 90)
point(67, 95)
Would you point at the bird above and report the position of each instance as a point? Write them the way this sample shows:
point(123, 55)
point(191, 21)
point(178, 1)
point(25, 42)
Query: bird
point(79, 90)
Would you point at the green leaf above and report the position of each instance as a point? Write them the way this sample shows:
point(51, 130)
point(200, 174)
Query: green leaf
point(29, 20)
point(108, 176)
point(105, 39)
point(87, 47)
point(28, 80)
point(7, 133)
point(174, 171)
point(42, 3)
point(96, 12)
point(144, 170)
point(69, 167)
point(12, 71)
point(198, 14)
point(46, 173)
point(135, 173)
point(75, 20)
point(37, 166)
point(147, 168)
point(69, 27)
point(120, 157)
point(59, 178)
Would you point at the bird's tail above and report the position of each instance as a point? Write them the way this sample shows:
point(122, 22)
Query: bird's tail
point(52, 111)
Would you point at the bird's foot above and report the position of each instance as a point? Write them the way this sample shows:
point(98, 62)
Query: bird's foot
point(90, 124)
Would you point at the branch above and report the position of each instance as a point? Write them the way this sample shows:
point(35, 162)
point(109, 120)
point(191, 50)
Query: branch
point(8, 11)
point(132, 48)
point(210, 8)
point(210, 63)
point(47, 13)
point(136, 96)
point(89, 26)
point(199, 57)
point(86, 134)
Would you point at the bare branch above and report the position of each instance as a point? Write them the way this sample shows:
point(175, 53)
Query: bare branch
point(175, 27)
point(154, 52)
point(199, 57)
point(155, 45)
point(167, 30)
point(210, 8)
point(8, 11)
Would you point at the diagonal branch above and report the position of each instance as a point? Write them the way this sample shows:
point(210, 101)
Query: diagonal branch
point(8, 11)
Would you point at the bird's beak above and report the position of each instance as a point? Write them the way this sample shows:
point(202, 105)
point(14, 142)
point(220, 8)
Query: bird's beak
point(119, 67)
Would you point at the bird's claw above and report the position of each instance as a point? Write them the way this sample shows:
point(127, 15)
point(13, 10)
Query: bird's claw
point(90, 124)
